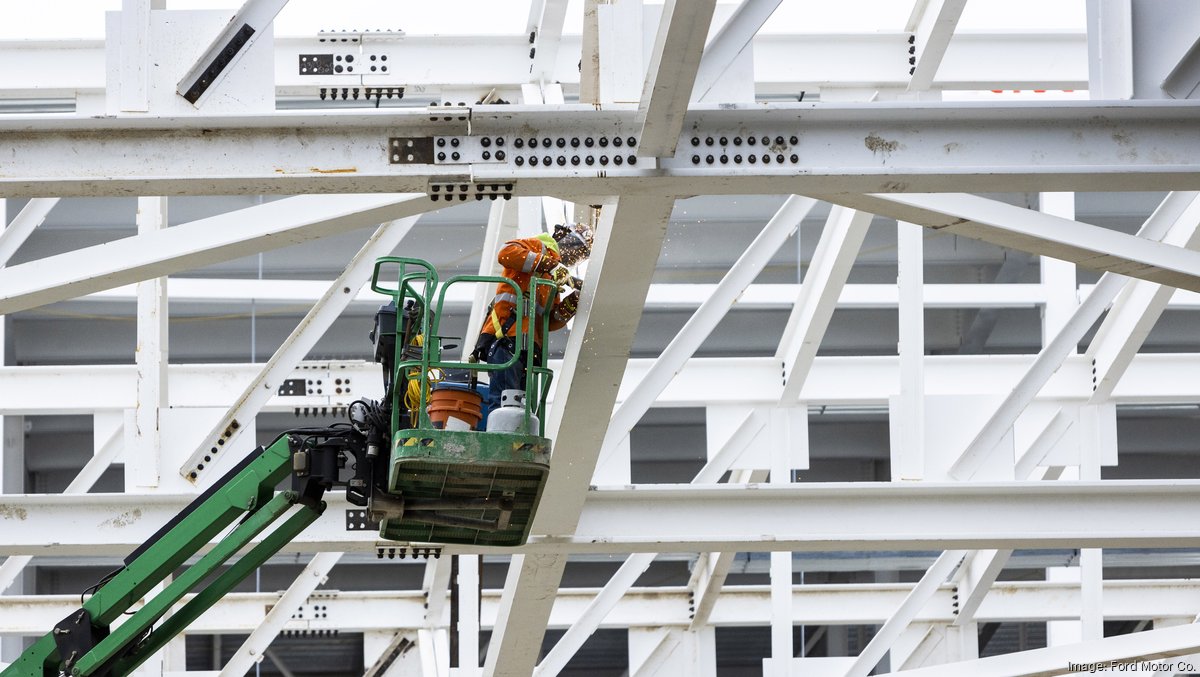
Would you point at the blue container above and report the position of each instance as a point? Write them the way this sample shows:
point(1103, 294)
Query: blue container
point(484, 390)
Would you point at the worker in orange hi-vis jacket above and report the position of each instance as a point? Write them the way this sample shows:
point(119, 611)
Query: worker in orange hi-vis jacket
point(544, 256)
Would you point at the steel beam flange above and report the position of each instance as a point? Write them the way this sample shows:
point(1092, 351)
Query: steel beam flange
point(461, 190)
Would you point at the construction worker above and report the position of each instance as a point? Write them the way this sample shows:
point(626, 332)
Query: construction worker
point(545, 256)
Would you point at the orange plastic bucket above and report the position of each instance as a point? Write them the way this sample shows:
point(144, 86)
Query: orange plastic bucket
point(454, 406)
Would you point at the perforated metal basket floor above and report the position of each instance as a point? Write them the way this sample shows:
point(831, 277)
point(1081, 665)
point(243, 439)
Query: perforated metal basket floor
point(477, 477)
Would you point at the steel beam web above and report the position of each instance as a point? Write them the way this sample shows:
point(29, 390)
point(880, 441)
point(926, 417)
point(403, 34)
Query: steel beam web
point(296, 346)
point(730, 42)
point(672, 74)
point(30, 217)
point(629, 239)
point(199, 243)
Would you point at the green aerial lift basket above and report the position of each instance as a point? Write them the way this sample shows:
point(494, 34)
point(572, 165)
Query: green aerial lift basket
point(459, 486)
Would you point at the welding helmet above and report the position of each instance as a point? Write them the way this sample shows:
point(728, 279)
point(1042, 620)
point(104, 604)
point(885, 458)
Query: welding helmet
point(574, 242)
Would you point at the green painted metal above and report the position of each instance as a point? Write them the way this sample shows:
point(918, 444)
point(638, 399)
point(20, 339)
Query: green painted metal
point(537, 376)
point(452, 465)
point(203, 600)
point(427, 463)
point(34, 662)
point(128, 633)
point(417, 281)
point(250, 490)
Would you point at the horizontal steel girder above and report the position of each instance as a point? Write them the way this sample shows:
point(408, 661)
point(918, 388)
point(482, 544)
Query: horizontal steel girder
point(837, 604)
point(783, 65)
point(1160, 378)
point(688, 518)
point(838, 148)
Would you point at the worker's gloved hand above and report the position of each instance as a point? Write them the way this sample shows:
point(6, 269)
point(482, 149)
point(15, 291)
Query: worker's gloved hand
point(566, 308)
point(560, 275)
point(482, 348)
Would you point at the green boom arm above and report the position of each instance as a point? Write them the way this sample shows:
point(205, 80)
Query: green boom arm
point(83, 643)
point(436, 485)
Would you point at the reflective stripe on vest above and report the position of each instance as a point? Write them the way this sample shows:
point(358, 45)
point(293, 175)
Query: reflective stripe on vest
point(497, 327)
point(530, 259)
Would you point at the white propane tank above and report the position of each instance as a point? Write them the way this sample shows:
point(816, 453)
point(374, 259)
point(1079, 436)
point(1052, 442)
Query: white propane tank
point(510, 417)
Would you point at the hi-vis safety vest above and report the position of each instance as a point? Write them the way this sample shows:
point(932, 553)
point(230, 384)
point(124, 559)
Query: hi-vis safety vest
point(520, 259)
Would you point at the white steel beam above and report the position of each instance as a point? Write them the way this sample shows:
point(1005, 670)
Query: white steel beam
point(707, 584)
point(536, 579)
point(30, 217)
point(150, 356)
point(1110, 49)
point(868, 148)
point(617, 53)
point(1153, 378)
point(1048, 361)
point(780, 473)
point(921, 594)
point(1123, 331)
point(83, 482)
point(1171, 219)
point(979, 574)
point(784, 63)
point(838, 247)
point(629, 240)
point(199, 243)
point(1183, 79)
point(468, 615)
point(932, 24)
point(599, 608)
point(1140, 304)
point(658, 656)
point(546, 37)
point(1072, 658)
point(1043, 234)
point(728, 44)
point(974, 577)
point(244, 28)
point(981, 568)
point(662, 296)
point(133, 60)
point(432, 645)
point(635, 565)
point(908, 428)
point(397, 645)
point(720, 518)
point(254, 648)
point(698, 327)
point(436, 588)
point(591, 52)
point(296, 346)
point(1059, 278)
point(742, 605)
point(672, 74)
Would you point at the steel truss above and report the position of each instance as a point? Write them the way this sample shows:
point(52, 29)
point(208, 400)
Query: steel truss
point(1030, 432)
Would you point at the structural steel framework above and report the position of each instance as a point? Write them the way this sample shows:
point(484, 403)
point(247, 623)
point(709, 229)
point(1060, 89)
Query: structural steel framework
point(990, 456)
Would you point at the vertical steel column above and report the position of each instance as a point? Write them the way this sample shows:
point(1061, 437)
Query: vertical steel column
point(1058, 276)
point(144, 458)
point(908, 446)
